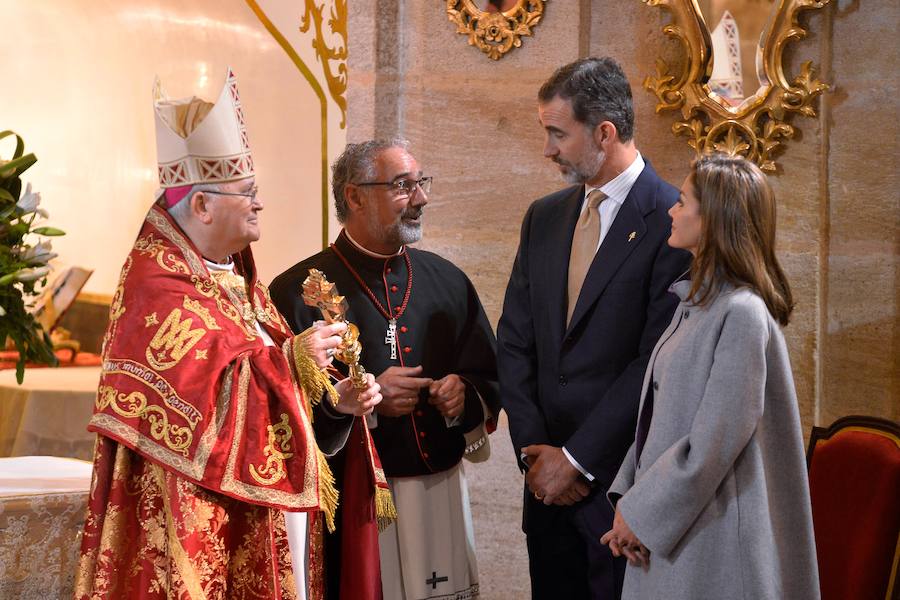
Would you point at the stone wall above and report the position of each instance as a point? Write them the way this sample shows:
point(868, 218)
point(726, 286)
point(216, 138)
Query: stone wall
point(473, 125)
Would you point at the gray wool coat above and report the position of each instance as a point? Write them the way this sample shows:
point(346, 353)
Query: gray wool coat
point(720, 494)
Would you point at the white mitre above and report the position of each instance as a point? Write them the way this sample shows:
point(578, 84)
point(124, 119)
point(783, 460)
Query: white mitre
point(198, 142)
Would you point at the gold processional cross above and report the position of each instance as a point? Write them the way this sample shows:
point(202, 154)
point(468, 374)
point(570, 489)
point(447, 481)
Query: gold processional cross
point(322, 294)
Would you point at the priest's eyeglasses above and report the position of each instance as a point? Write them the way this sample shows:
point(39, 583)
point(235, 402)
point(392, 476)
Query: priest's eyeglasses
point(251, 194)
point(404, 187)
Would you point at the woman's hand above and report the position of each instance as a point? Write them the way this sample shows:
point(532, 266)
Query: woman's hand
point(623, 542)
point(320, 341)
point(357, 402)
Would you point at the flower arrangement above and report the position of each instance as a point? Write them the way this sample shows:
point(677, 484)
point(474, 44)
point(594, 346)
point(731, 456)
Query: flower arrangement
point(24, 258)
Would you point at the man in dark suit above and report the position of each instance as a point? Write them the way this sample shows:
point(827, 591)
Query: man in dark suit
point(586, 302)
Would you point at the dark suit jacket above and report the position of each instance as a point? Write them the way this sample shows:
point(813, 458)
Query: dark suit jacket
point(579, 386)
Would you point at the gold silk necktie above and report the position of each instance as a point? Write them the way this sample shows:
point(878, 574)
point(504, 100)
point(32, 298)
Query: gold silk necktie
point(584, 247)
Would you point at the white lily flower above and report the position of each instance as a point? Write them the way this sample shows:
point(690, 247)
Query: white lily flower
point(32, 274)
point(38, 255)
point(2, 312)
point(29, 202)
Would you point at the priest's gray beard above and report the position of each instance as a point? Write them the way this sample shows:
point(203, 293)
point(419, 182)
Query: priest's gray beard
point(406, 230)
point(584, 169)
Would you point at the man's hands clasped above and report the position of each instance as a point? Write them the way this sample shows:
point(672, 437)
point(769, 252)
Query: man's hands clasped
point(400, 387)
point(395, 392)
point(551, 477)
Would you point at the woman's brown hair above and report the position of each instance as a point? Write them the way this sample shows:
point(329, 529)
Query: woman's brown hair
point(737, 239)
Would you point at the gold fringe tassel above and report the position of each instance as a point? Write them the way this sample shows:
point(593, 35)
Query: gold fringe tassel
point(312, 379)
point(328, 494)
point(385, 511)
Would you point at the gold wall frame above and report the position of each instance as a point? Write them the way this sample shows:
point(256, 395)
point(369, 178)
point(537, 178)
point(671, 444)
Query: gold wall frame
point(337, 21)
point(757, 128)
point(495, 33)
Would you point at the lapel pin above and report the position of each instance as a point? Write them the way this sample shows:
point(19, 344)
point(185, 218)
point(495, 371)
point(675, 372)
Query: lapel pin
point(631, 235)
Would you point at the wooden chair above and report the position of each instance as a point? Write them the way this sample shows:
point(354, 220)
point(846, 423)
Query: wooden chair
point(854, 480)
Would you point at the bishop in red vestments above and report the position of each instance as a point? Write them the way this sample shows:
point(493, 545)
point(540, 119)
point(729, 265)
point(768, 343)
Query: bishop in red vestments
point(208, 407)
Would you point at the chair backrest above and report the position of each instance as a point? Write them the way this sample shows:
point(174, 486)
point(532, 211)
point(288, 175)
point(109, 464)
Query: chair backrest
point(854, 480)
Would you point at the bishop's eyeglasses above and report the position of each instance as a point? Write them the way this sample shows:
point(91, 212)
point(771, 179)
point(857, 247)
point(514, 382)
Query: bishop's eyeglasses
point(404, 187)
point(251, 194)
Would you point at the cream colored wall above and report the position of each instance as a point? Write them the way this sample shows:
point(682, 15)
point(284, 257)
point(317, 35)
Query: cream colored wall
point(473, 125)
point(77, 80)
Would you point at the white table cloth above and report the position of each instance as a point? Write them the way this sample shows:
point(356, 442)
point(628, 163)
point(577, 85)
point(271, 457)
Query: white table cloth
point(43, 500)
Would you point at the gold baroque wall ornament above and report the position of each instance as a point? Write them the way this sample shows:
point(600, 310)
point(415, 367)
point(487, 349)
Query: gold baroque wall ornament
point(337, 22)
point(495, 33)
point(754, 126)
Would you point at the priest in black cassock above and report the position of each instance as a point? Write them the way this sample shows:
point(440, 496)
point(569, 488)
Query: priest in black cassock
point(426, 338)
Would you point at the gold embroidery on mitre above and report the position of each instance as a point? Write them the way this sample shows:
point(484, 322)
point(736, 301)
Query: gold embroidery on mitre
point(151, 320)
point(201, 354)
point(172, 341)
point(276, 452)
point(134, 406)
point(201, 311)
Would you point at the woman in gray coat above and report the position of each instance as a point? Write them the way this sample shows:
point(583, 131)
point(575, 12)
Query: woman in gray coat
point(712, 500)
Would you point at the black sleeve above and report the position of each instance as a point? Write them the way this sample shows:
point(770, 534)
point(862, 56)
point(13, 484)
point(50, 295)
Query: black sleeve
point(517, 354)
point(476, 362)
point(285, 293)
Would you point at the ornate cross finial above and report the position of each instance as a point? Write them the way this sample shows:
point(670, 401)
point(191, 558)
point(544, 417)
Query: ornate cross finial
point(322, 294)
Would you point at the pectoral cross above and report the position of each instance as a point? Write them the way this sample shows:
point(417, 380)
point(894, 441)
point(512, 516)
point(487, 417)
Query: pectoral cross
point(390, 337)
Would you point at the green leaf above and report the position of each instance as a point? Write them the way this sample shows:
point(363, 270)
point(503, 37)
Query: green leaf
point(15, 187)
point(8, 278)
point(4, 195)
point(18, 165)
point(20, 143)
point(48, 231)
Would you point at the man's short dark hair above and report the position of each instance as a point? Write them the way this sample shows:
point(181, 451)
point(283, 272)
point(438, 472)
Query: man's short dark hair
point(598, 91)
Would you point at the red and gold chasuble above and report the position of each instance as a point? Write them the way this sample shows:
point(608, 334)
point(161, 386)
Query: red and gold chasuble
point(205, 435)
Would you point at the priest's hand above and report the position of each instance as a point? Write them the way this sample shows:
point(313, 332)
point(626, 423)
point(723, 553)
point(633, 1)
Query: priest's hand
point(623, 542)
point(400, 390)
point(550, 474)
point(357, 402)
point(321, 340)
point(448, 395)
